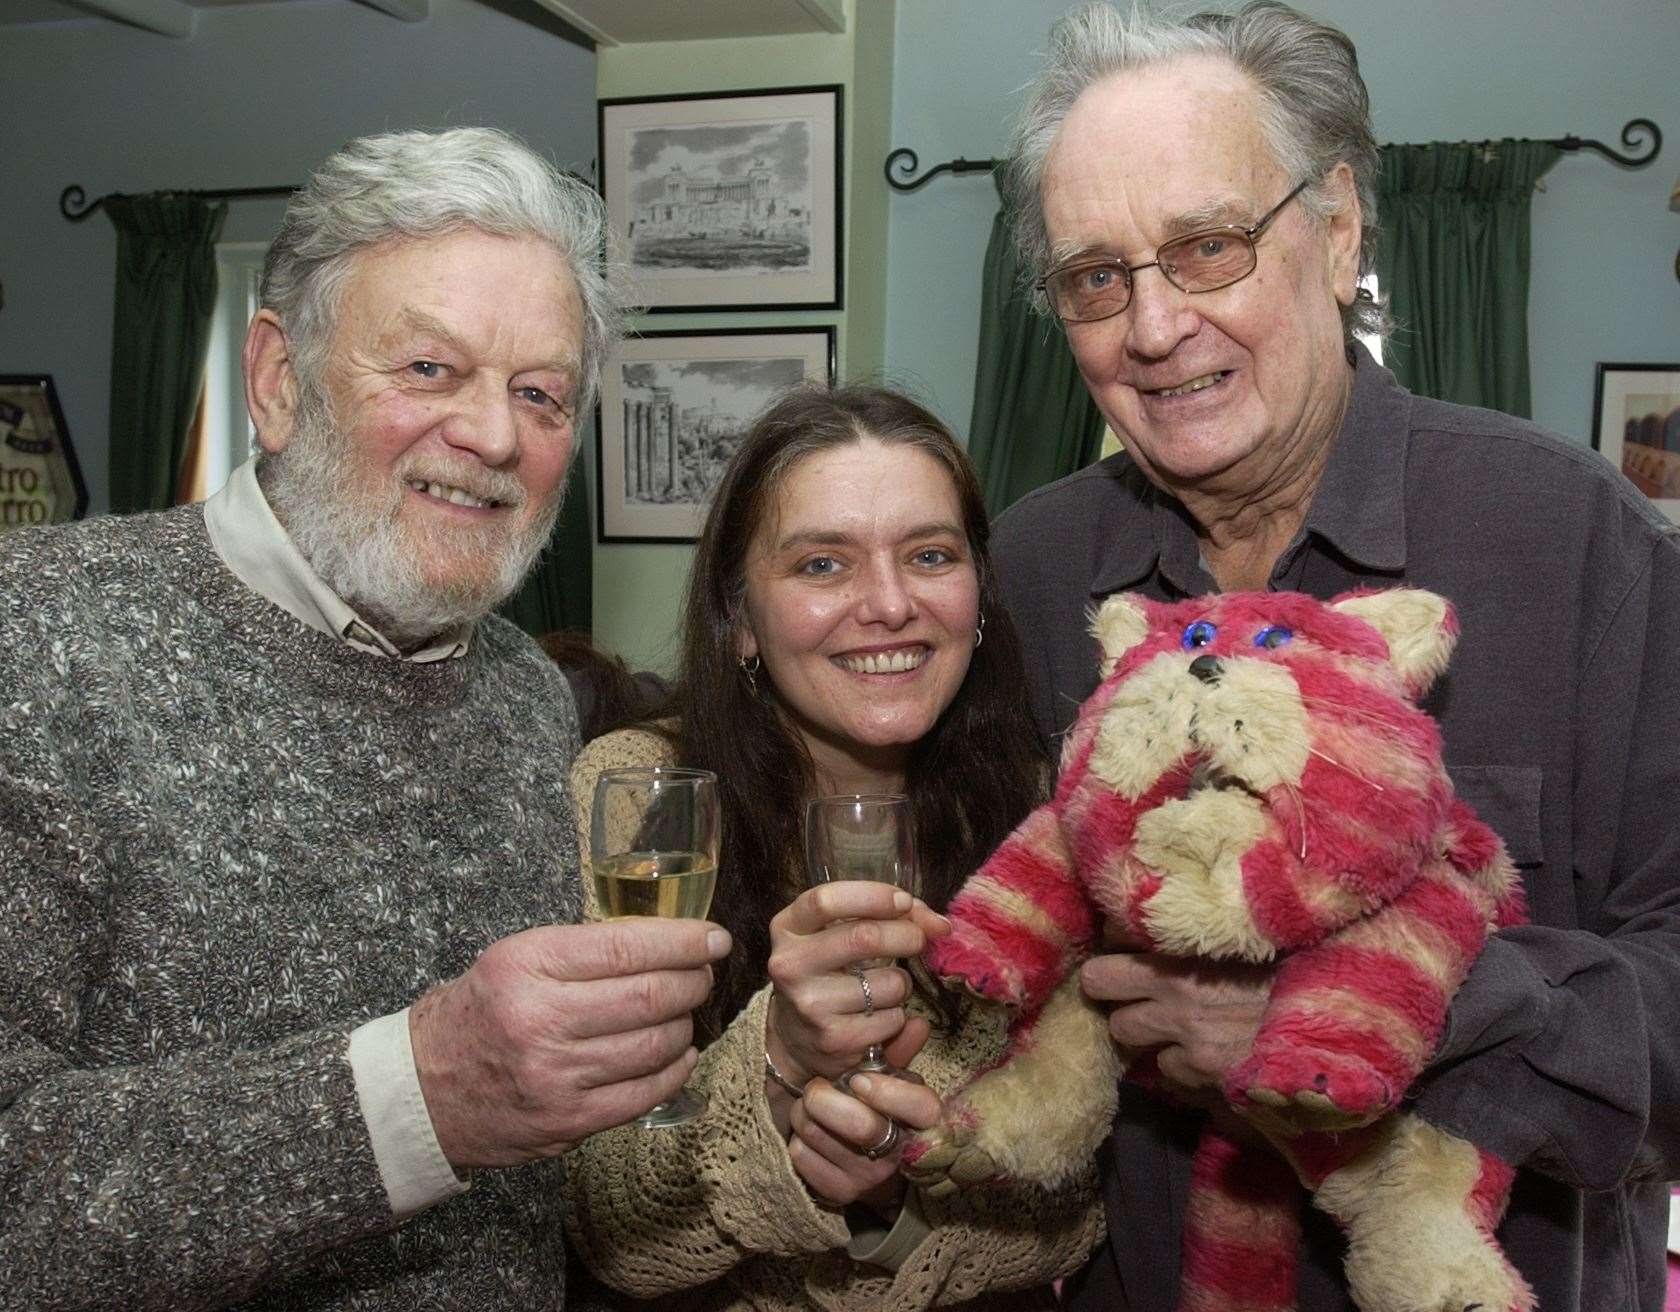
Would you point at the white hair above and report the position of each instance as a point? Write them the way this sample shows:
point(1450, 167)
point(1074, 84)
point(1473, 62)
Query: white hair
point(1314, 109)
point(428, 184)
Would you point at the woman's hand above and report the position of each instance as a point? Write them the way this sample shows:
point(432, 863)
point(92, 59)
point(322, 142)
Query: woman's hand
point(821, 1016)
point(831, 1130)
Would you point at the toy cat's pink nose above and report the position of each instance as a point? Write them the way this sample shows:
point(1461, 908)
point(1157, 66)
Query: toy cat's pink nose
point(1206, 668)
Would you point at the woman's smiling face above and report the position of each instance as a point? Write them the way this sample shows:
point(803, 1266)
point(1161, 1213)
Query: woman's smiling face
point(862, 599)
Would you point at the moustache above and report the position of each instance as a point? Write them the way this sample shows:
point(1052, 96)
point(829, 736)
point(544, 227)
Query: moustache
point(491, 485)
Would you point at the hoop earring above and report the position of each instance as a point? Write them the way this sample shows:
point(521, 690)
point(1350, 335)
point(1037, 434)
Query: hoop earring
point(750, 671)
point(980, 631)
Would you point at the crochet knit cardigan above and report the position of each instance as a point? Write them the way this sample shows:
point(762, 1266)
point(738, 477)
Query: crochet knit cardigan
point(711, 1215)
point(228, 840)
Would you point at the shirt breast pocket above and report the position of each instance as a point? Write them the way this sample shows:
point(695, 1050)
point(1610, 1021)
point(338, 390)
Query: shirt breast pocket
point(1507, 798)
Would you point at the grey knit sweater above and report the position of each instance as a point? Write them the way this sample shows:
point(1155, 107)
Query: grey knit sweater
point(226, 840)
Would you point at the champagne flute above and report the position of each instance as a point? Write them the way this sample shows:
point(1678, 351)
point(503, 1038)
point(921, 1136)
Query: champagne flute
point(653, 851)
point(863, 836)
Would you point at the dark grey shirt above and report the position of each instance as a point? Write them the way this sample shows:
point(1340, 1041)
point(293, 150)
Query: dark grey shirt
point(1561, 717)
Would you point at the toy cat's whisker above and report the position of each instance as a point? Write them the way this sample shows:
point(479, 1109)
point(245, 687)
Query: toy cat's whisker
point(1294, 794)
point(1327, 759)
point(1331, 760)
point(1336, 710)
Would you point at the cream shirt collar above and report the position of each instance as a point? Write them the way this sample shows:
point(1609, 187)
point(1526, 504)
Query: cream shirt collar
point(253, 544)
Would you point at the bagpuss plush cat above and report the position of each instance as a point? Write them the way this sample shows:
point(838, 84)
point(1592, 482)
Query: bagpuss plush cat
point(1254, 782)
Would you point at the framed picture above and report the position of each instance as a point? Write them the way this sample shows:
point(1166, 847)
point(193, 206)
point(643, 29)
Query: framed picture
point(728, 201)
point(674, 406)
point(1636, 423)
point(40, 481)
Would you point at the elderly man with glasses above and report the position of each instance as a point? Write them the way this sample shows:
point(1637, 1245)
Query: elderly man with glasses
point(1199, 200)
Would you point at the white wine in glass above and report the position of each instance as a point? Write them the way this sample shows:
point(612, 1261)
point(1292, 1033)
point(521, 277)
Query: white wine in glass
point(653, 851)
point(863, 836)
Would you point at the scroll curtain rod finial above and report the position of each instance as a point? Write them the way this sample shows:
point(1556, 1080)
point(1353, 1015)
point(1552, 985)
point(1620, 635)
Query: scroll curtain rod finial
point(905, 161)
point(1632, 131)
point(73, 196)
point(70, 199)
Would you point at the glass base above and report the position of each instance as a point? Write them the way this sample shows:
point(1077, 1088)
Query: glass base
point(673, 1111)
point(875, 1063)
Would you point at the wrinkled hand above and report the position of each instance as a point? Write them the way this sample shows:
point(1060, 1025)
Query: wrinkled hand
point(818, 1024)
point(831, 1129)
point(558, 1032)
point(1201, 1015)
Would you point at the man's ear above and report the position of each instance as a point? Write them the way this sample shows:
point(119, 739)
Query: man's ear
point(271, 385)
point(1345, 230)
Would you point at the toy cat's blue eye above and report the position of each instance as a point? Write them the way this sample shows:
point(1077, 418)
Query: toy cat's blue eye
point(1273, 635)
point(1199, 634)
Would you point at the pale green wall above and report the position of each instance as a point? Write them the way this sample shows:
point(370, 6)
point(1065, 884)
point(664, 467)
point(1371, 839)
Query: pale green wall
point(258, 96)
point(638, 586)
point(1602, 285)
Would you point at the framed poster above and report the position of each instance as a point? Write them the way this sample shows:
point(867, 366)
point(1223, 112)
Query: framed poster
point(1636, 423)
point(674, 407)
point(727, 201)
point(40, 481)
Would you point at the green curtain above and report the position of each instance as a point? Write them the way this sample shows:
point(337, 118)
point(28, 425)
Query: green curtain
point(1033, 420)
point(559, 592)
point(166, 293)
point(1453, 258)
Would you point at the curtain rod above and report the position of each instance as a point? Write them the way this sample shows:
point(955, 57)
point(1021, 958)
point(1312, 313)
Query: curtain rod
point(73, 196)
point(905, 161)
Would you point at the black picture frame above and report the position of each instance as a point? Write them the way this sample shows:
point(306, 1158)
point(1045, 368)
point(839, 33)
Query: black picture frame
point(1636, 425)
point(674, 406)
point(40, 478)
point(728, 200)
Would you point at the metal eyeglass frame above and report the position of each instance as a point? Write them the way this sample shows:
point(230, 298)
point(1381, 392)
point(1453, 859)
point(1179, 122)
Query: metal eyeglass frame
point(1250, 235)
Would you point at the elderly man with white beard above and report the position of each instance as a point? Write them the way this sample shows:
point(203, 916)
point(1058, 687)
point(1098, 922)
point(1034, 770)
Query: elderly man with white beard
point(291, 1011)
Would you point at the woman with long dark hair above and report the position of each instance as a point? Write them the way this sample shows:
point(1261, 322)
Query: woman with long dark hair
point(842, 634)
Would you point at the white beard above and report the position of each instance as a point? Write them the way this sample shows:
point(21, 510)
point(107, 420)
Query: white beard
point(351, 535)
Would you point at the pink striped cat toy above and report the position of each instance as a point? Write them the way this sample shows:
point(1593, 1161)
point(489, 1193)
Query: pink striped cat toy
point(1254, 781)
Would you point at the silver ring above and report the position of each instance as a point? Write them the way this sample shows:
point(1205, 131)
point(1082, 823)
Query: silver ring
point(868, 996)
point(889, 1141)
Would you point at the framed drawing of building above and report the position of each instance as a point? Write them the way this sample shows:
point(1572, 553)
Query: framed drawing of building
point(674, 407)
point(40, 481)
point(727, 201)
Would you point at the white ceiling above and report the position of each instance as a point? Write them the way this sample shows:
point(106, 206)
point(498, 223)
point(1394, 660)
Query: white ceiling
point(627, 22)
point(60, 11)
point(608, 22)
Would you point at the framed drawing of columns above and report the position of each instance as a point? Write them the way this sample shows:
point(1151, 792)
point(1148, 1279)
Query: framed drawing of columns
point(674, 407)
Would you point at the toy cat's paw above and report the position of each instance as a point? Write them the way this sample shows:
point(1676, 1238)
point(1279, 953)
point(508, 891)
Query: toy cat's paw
point(976, 969)
point(946, 1159)
point(1317, 1088)
point(1471, 1275)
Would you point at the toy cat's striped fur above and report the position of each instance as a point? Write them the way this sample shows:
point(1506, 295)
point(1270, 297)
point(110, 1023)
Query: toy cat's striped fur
point(1254, 781)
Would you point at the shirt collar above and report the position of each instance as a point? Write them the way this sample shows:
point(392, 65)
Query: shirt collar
point(1358, 508)
point(1360, 505)
point(261, 555)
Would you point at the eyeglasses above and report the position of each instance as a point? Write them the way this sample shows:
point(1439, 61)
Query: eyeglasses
point(1205, 261)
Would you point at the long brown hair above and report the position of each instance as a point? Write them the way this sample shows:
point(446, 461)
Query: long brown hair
point(971, 778)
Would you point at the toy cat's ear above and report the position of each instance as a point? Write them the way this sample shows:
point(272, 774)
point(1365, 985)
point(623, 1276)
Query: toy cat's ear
point(1118, 625)
point(1420, 628)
